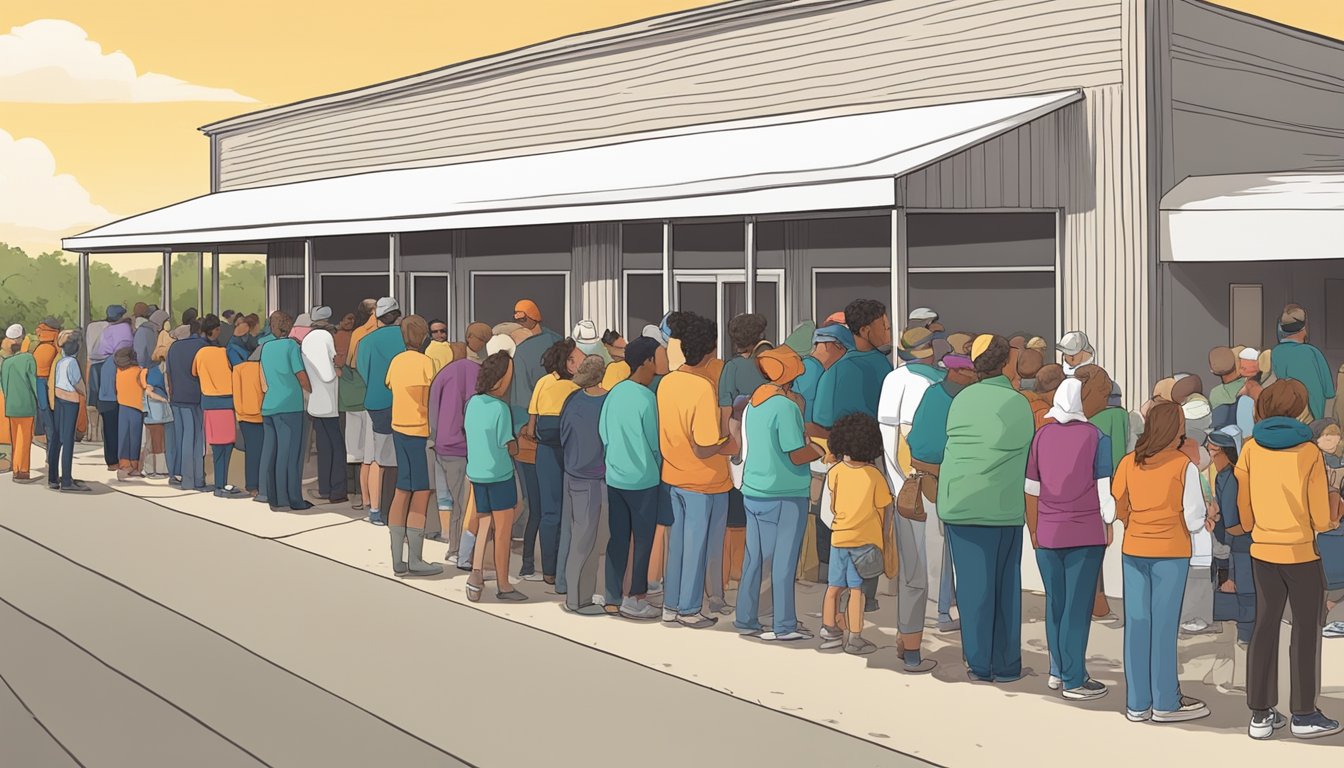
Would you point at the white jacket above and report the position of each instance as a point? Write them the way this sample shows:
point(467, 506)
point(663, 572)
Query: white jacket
point(319, 352)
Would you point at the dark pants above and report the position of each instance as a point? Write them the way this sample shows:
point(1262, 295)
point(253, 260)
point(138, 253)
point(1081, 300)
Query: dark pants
point(630, 513)
point(532, 493)
point(61, 444)
point(221, 455)
point(823, 547)
point(281, 459)
point(1301, 587)
point(1242, 574)
point(551, 484)
point(189, 423)
point(130, 430)
point(1070, 577)
point(330, 459)
point(253, 441)
point(988, 560)
point(109, 412)
point(42, 426)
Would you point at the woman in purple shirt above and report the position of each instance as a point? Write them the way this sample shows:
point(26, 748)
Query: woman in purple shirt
point(1069, 507)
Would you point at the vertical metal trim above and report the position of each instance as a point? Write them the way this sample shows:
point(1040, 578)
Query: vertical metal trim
point(214, 281)
point(166, 284)
point(308, 274)
point(900, 297)
point(393, 252)
point(749, 264)
point(669, 295)
point(84, 309)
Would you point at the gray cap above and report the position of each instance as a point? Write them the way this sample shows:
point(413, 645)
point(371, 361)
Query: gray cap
point(319, 314)
point(923, 313)
point(1075, 342)
point(385, 305)
point(655, 333)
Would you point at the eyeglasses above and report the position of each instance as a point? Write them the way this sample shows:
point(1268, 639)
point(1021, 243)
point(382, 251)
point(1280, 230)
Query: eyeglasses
point(440, 331)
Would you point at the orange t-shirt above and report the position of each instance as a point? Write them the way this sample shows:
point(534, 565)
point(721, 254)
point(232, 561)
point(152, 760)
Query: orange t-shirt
point(45, 355)
point(211, 366)
point(247, 394)
point(358, 335)
point(131, 385)
point(688, 412)
point(1155, 518)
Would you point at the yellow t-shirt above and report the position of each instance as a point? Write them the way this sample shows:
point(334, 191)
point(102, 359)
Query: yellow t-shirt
point(859, 497)
point(441, 353)
point(247, 394)
point(550, 394)
point(688, 410)
point(409, 376)
point(616, 373)
point(211, 366)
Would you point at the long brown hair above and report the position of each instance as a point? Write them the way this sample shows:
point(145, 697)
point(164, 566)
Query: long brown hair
point(1163, 424)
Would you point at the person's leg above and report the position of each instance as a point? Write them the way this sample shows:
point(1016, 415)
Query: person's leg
point(502, 549)
point(69, 417)
point(912, 590)
point(620, 521)
point(532, 531)
point(585, 507)
point(761, 516)
point(54, 452)
point(1305, 583)
point(289, 481)
point(1052, 564)
point(219, 460)
point(477, 578)
point(340, 488)
point(325, 451)
point(1138, 591)
point(455, 473)
point(973, 556)
point(550, 481)
point(823, 535)
point(42, 425)
point(643, 525)
point(110, 414)
point(854, 617)
point(1080, 568)
point(1169, 575)
point(172, 432)
point(699, 511)
point(1007, 592)
point(1244, 582)
point(253, 437)
point(784, 563)
point(562, 552)
point(193, 449)
point(712, 578)
point(269, 451)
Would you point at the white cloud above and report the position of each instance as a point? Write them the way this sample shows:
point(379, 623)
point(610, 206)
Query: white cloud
point(37, 205)
point(52, 61)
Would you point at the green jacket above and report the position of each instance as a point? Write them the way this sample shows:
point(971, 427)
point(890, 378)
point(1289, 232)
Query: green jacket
point(18, 380)
point(983, 475)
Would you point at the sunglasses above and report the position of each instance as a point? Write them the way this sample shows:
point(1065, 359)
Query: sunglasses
point(440, 331)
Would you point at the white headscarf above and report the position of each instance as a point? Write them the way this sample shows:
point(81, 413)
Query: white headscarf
point(1068, 403)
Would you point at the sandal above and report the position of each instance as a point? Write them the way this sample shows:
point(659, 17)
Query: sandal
point(474, 590)
point(512, 596)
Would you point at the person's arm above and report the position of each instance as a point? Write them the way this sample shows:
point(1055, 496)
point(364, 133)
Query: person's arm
point(504, 430)
point(1245, 510)
point(1032, 489)
point(1318, 497)
point(436, 390)
point(264, 386)
point(792, 433)
point(296, 364)
point(1327, 380)
point(707, 438)
point(1192, 501)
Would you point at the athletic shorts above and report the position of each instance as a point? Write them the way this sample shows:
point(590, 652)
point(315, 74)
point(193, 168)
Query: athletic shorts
point(495, 497)
point(358, 437)
point(220, 427)
point(843, 572)
point(384, 452)
point(412, 462)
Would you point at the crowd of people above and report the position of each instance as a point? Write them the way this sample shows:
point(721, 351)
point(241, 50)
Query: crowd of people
point(812, 460)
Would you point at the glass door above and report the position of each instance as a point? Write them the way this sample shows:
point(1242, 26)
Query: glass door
point(721, 296)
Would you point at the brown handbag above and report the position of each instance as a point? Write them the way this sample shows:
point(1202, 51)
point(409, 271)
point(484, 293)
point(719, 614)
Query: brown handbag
point(909, 503)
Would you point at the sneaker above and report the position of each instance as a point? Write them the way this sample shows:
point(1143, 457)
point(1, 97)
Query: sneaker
point(858, 646)
point(639, 610)
point(77, 487)
point(697, 621)
point(53, 486)
point(1191, 709)
point(831, 637)
point(655, 588)
point(923, 667)
point(719, 607)
point(1089, 690)
point(1054, 683)
point(600, 600)
point(1138, 715)
point(585, 610)
point(452, 559)
point(534, 576)
point(1195, 627)
point(1333, 629)
point(1315, 726)
point(1264, 725)
point(512, 596)
point(950, 625)
point(749, 631)
point(669, 616)
point(787, 637)
point(871, 606)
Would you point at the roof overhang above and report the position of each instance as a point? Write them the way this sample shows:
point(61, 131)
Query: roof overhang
point(783, 165)
point(1254, 217)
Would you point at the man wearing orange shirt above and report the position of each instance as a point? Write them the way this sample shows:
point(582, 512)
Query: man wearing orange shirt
point(211, 366)
point(45, 356)
point(247, 398)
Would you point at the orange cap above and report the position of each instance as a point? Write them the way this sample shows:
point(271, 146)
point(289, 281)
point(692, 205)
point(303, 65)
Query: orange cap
point(836, 317)
point(527, 308)
point(780, 365)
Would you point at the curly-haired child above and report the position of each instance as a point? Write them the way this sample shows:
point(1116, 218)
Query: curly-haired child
point(860, 501)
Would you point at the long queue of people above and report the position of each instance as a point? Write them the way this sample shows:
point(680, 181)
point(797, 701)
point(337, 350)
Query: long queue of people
point(814, 459)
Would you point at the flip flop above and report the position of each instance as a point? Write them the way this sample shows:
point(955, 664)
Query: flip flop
point(473, 593)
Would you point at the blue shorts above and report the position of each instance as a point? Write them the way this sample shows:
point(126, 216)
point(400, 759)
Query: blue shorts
point(412, 462)
point(843, 572)
point(382, 420)
point(495, 497)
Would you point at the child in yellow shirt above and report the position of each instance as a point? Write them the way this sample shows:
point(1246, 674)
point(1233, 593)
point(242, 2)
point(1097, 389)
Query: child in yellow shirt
point(860, 500)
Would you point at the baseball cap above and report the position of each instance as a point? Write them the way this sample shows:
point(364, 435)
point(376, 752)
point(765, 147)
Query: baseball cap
point(917, 342)
point(385, 305)
point(586, 332)
point(320, 313)
point(780, 365)
point(527, 308)
point(834, 334)
point(923, 314)
point(1249, 353)
point(501, 342)
point(14, 331)
point(1075, 342)
point(655, 333)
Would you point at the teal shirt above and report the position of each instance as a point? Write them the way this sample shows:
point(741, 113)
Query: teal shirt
point(18, 379)
point(489, 429)
point(982, 477)
point(852, 385)
point(628, 427)
point(281, 361)
point(806, 385)
point(1114, 423)
point(376, 351)
point(1294, 360)
point(774, 429)
point(928, 431)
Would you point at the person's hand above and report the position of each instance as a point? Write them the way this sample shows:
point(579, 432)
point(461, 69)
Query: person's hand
point(1210, 522)
point(1034, 544)
point(1229, 587)
point(1110, 534)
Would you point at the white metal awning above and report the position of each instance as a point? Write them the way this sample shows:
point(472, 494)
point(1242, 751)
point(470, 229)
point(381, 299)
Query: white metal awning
point(1254, 217)
point(781, 165)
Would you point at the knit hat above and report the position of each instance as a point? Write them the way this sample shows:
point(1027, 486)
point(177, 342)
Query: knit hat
point(780, 365)
point(320, 314)
point(917, 343)
point(802, 338)
point(14, 331)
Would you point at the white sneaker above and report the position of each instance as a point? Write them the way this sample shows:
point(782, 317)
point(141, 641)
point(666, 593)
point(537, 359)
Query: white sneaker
point(1190, 709)
point(452, 559)
point(1088, 691)
point(669, 616)
point(534, 576)
point(787, 636)
point(1138, 716)
point(1194, 627)
point(1264, 727)
point(599, 600)
point(1055, 683)
point(655, 588)
point(1333, 629)
point(632, 608)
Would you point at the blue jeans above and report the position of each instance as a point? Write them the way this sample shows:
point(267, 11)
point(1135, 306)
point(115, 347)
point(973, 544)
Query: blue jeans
point(1154, 589)
point(253, 441)
point(189, 432)
point(282, 459)
point(631, 515)
point(774, 536)
point(110, 411)
point(221, 455)
point(61, 444)
point(42, 426)
point(947, 584)
point(550, 502)
point(1241, 576)
point(695, 518)
point(130, 430)
point(170, 451)
point(988, 560)
point(527, 473)
point(1070, 579)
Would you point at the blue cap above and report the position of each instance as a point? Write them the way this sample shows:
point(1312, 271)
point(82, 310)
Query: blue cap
point(115, 312)
point(835, 333)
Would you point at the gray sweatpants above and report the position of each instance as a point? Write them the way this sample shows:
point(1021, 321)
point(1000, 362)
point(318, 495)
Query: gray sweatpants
point(585, 509)
point(450, 474)
point(912, 588)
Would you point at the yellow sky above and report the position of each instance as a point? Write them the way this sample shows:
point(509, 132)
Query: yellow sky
point(134, 157)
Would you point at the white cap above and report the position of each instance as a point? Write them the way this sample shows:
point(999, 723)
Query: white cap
point(500, 342)
point(14, 331)
point(923, 313)
point(1075, 342)
point(1196, 407)
point(1249, 353)
point(385, 305)
point(586, 332)
point(655, 333)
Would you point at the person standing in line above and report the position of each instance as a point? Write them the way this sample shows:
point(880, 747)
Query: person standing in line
point(247, 400)
point(67, 383)
point(488, 425)
point(439, 351)
point(1294, 358)
point(1113, 421)
point(318, 349)
point(1283, 500)
point(695, 454)
point(532, 339)
point(830, 342)
point(739, 379)
point(283, 380)
point(242, 341)
point(211, 367)
point(18, 379)
point(44, 356)
point(132, 389)
point(356, 430)
point(628, 429)
point(93, 333)
point(408, 378)
point(1224, 364)
point(1048, 379)
point(981, 504)
point(1077, 352)
point(375, 353)
point(184, 393)
point(116, 334)
point(478, 335)
point(358, 422)
point(449, 393)
point(1069, 508)
point(663, 518)
point(618, 369)
point(1224, 450)
point(302, 325)
point(775, 485)
point(561, 362)
point(585, 487)
point(1159, 501)
point(157, 415)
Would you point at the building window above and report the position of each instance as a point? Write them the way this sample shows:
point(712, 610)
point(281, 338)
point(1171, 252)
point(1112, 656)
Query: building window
point(343, 292)
point(429, 296)
point(1246, 325)
point(643, 297)
point(834, 289)
point(289, 295)
point(494, 294)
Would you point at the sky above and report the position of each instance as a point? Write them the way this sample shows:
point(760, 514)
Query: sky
point(100, 101)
